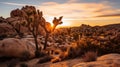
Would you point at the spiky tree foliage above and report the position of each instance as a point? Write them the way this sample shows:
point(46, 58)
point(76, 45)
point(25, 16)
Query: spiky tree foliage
point(34, 19)
point(48, 29)
point(57, 22)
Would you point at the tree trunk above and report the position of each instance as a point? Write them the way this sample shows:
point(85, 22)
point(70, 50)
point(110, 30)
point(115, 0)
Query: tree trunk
point(36, 44)
point(46, 39)
point(54, 28)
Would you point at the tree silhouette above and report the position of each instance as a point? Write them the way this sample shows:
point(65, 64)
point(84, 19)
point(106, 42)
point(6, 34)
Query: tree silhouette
point(48, 29)
point(33, 20)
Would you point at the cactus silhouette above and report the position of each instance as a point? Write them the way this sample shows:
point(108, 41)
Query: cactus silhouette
point(31, 17)
point(57, 22)
point(34, 18)
point(48, 30)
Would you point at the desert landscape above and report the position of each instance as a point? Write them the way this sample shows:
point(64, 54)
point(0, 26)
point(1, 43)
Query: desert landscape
point(29, 39)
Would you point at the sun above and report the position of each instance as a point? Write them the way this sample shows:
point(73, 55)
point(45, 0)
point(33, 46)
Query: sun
point(65, 23)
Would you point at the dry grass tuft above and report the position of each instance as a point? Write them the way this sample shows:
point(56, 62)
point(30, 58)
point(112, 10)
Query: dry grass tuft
point(90, 56)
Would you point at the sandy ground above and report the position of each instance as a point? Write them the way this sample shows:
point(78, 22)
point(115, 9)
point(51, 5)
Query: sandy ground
point(33, 63)
point(66, 63)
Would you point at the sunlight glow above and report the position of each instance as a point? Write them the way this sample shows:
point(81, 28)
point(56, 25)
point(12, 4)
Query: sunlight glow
point(66, 23)
point(49, 19)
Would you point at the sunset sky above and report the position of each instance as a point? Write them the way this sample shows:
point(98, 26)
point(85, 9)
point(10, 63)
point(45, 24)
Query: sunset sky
point(74, 12)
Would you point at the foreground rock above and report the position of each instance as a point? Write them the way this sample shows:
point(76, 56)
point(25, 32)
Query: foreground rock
point(109, 60)
point(12, 47)
point(5, 29)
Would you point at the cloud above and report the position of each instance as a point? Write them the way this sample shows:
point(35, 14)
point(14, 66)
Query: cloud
point(72, 1)
point(76, 10)
point(72, 10)
point(15, 4)
point(109, 15)
point(50, 3)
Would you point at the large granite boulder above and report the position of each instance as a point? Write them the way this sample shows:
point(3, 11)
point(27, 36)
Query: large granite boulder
point(5, 29)
point(109, 60)
point(12, 47)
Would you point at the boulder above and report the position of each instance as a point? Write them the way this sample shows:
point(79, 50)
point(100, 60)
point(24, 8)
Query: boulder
point(109, 60)
point(5, 29)
point(12, 47)
point(109, 57)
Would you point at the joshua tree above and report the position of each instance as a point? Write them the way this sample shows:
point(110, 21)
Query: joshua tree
point(33, 19)
point(48, 29)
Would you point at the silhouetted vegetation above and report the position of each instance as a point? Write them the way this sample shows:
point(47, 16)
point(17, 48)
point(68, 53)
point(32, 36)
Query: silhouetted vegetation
point(90, 56)
point(32, 19)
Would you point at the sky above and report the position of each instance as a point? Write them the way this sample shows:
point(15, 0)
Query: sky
point(74, 12)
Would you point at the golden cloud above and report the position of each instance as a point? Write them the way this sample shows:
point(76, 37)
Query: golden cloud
point(76, 10)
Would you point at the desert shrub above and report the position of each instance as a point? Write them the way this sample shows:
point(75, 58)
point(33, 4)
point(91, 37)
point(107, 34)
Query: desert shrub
point(45, 59)
point(90, 56)
point(63, 56)
point(60, 41)
point(23, 65)
point(63, 48)
point(71, 53)
point(76, 36)
point(57, 52)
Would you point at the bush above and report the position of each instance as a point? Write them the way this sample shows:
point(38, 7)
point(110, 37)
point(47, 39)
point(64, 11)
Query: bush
point(71, 53)
point(90, 56)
